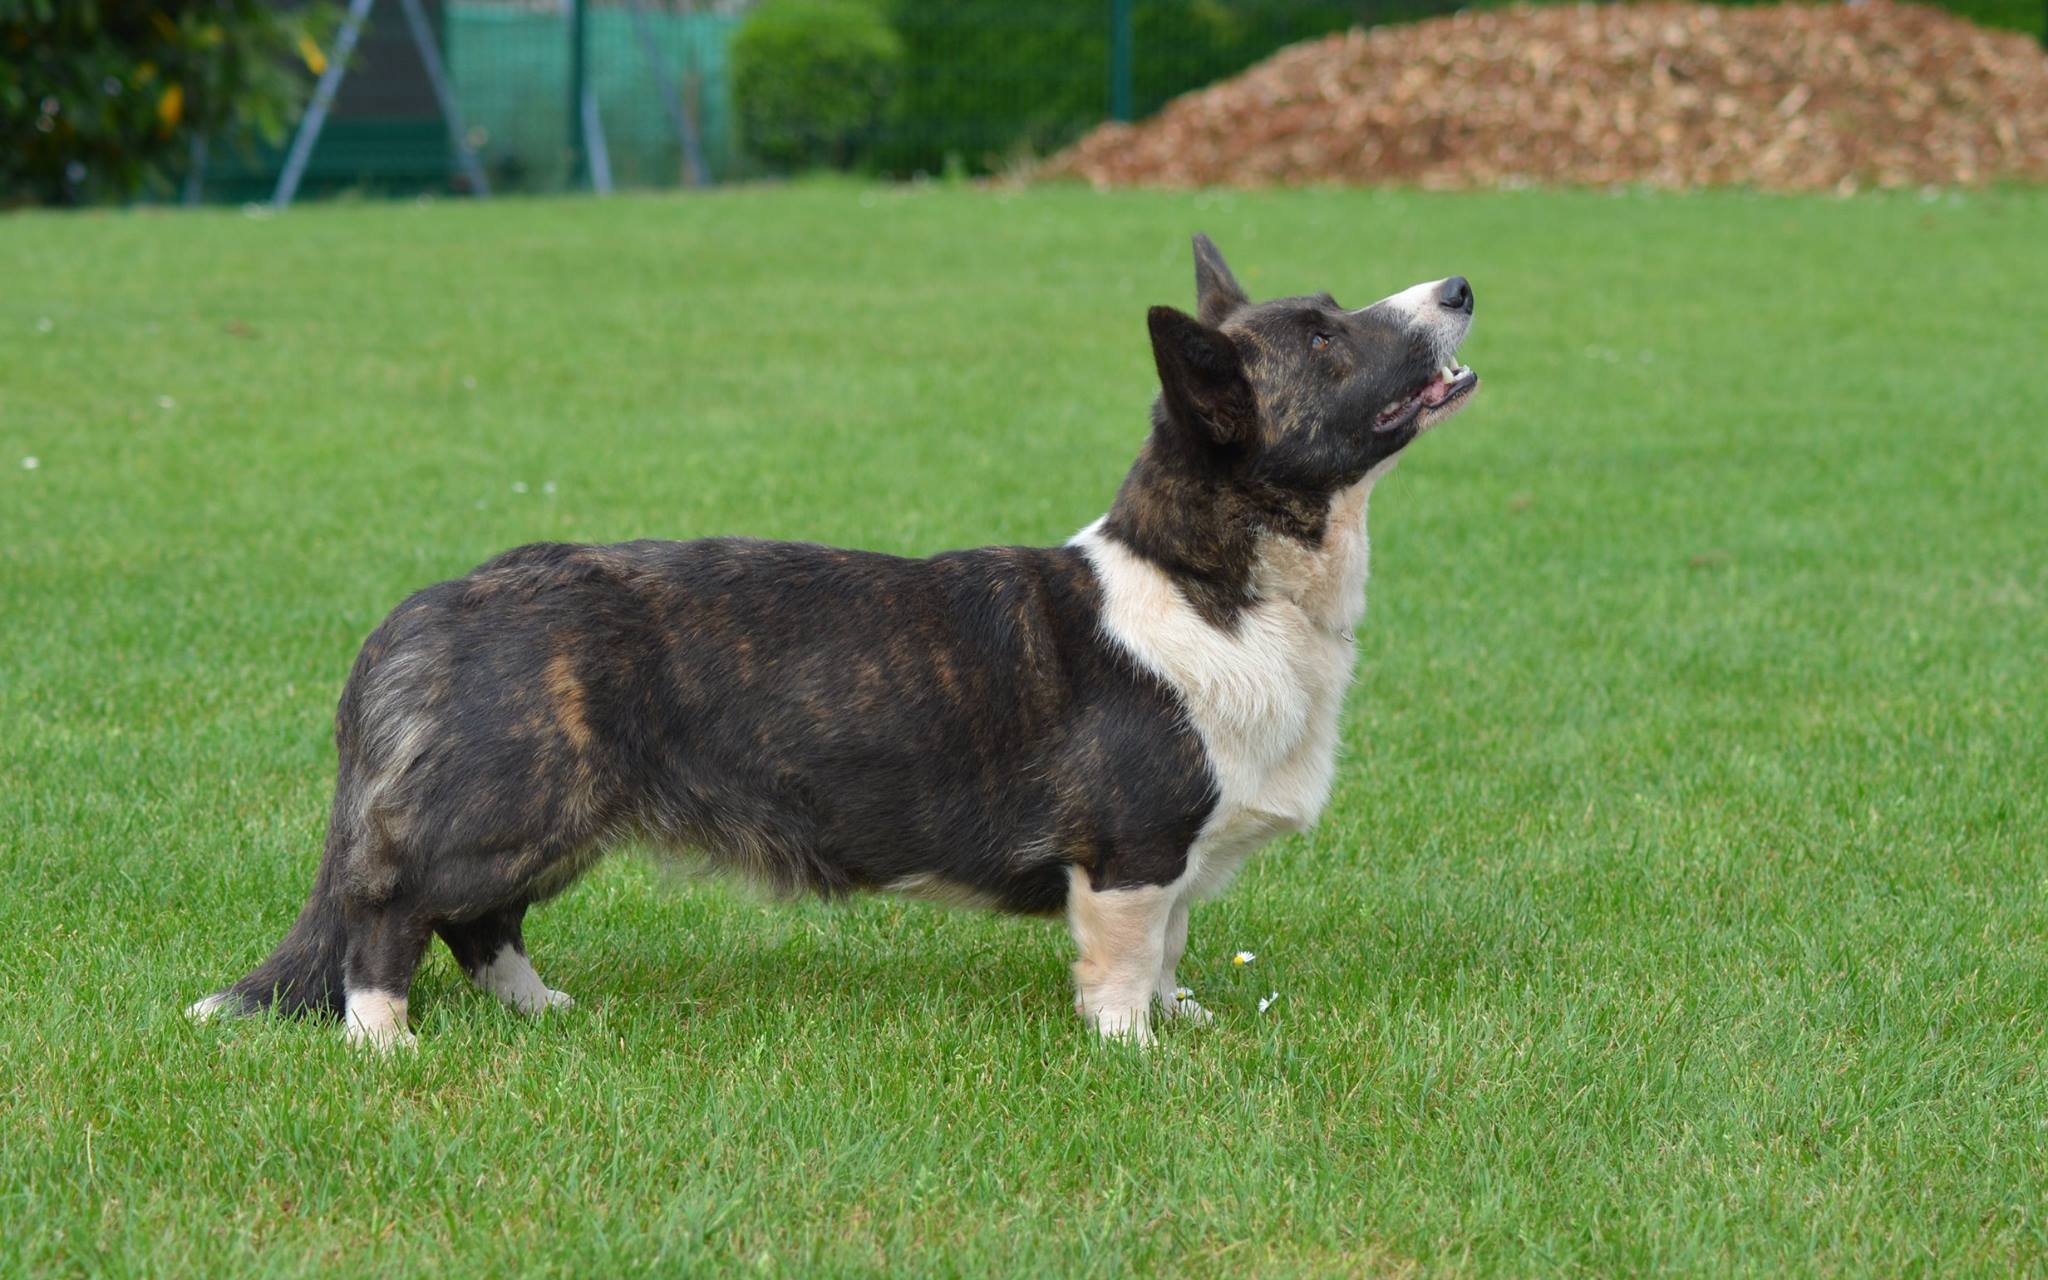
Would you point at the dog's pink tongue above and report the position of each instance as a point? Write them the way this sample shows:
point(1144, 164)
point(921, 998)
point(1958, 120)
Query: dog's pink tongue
point(1434, 393)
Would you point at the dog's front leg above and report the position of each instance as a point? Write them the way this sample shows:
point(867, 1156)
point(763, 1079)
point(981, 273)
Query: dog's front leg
point(1167, 989)
point(1122, 935)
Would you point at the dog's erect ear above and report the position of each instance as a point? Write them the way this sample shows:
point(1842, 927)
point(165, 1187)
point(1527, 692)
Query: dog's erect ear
point(1216, 291)
point(1201, 376)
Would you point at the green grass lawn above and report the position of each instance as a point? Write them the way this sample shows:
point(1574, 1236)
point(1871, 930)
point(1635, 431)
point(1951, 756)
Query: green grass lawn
point(1683, 904)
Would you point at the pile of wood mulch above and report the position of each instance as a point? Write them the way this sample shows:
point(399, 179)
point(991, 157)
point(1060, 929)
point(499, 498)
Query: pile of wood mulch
point(1795, 98)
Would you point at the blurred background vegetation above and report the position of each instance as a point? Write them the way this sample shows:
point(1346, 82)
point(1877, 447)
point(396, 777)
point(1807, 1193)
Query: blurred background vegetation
point(115, 100)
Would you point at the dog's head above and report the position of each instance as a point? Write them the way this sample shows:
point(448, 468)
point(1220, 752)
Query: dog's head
point(1299, 396)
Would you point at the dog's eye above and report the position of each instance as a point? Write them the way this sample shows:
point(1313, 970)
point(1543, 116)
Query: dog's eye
point(1318, 342)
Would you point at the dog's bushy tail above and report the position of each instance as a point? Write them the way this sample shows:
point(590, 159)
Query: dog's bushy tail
point(304, 973)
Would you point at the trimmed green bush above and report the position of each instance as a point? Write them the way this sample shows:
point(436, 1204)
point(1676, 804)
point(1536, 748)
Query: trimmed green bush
point(101, 99)
point(815, 81)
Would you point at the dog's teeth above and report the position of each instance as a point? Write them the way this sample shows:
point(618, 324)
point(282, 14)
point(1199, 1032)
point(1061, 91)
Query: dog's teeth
point(1450, 372)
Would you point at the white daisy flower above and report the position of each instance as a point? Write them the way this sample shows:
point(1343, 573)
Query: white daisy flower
point(1267, 1003)
point(1243, 958)
point(30, 463)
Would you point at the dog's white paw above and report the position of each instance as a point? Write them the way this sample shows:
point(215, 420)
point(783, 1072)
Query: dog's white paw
point(536, 999)
point(511, 978)
point(379, 1039)
point(1130, 1026)
point(1181, 1003)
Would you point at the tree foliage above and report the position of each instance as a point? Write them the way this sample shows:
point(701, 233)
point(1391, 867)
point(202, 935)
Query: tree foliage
point(102, 99)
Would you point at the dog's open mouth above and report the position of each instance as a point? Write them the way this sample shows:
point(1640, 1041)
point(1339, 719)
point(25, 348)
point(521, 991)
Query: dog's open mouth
point(1439, 398)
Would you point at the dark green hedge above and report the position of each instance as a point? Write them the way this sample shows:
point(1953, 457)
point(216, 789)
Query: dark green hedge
point(2030, 16)
point(987, 80)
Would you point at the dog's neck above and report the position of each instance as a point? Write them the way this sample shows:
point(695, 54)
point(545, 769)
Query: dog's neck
point(1325, 579)
point(1190, 521)
point(1227, 547)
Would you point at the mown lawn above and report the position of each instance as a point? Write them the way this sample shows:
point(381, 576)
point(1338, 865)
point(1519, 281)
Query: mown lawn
point(1684, 901)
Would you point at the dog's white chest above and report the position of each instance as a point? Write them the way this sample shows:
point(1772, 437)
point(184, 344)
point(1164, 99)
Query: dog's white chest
point(1266, 695)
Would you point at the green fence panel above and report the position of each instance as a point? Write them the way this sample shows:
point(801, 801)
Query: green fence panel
point(510, 65)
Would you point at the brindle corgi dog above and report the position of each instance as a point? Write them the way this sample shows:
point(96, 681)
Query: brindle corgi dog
point(1105, 728)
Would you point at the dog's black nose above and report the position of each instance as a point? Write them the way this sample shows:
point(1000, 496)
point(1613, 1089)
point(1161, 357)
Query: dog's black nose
point(1456, 294)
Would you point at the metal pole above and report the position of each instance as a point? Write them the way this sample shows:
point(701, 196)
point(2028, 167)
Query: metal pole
point(451, 114)
point(315, 118)
point(1120, 43)
point(195, 171)
point(579, 57)
point(686, 128)
point(593, 146)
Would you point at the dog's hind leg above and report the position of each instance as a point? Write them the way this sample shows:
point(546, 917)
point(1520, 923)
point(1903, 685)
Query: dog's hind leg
point(384, 949)
point(492, 951)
